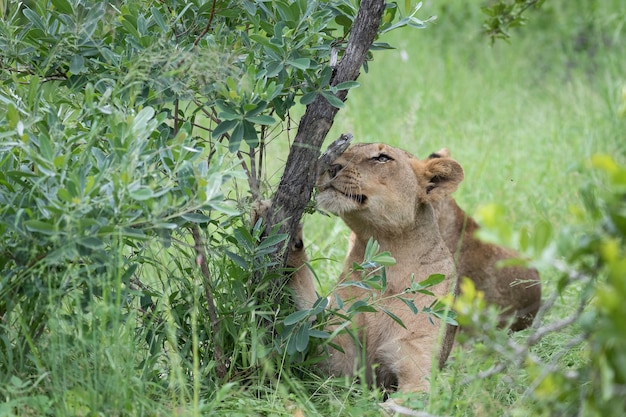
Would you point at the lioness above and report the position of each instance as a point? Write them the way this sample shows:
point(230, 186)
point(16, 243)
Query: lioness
point(385, 193)
point(515, 289)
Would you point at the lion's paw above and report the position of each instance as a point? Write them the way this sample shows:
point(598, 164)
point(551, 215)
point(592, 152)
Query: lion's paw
point(259, 210)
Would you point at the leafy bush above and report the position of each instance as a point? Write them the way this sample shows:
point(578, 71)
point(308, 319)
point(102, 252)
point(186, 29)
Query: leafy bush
point(126, 125)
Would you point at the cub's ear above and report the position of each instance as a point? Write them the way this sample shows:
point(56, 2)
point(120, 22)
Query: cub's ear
point(440, 177)
point(441, 153)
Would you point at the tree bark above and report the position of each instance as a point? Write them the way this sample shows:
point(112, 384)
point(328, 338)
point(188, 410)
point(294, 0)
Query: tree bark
point(296, 184)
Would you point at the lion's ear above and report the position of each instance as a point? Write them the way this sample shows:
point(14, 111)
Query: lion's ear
point(441, 153)
point(442, 177)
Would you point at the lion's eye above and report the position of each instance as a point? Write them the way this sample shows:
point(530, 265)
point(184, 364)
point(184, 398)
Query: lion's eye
point(382, 158)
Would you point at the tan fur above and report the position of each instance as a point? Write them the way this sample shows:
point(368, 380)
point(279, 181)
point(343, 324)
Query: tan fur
point(515, 289)
point(385, 193)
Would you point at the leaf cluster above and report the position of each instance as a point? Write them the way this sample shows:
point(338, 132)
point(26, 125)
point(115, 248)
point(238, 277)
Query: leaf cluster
point(504, 15)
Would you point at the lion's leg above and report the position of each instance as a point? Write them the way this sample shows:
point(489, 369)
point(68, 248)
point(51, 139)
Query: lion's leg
point(302, 281)
point(342, 363)
point(413, 360)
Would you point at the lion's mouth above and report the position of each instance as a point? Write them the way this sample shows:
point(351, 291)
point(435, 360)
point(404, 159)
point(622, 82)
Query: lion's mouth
point(359, 198)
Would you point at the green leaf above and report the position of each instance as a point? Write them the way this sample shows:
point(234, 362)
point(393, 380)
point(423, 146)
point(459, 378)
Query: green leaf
point(91, 243)
point(432, 280)
point(347, 85)
point(223, 127)
point(13, 116)
point(244, 238)
point(250, 134)
point(446, 316)
point(224, 207)
point(262, 120)
point(263, 40)
point(361, 306)
point(302, 337)
point(272, 240)
point(197, 218)
point(46, 148)
point(39, 226)
point(235, 138)
point(393, 316)
point(142, 118)
point(64, 195)
point(318, 334)
point(410, 304)
point(300, 63)
point(542, 234)
point(238, 260)
point(63, 6)
point(77, 64)
point(296, 317)
point(384, 259)
point(339, 301)
point(357, 284)
point(229, 115)
point(319, 306)
point(273, 68)
point(158, 18)
point(142, 194)
point(35, 19)
point(254, 109)
point(333, 100)
point(371, 249)
point(308, 98)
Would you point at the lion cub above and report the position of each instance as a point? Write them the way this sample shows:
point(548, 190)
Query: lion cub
point(386, 194)
point(515, 289)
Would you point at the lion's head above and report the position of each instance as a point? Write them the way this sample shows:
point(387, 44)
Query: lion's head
point(382, 187)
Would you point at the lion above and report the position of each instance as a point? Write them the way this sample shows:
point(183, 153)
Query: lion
point(516, 290)
point(386, 194)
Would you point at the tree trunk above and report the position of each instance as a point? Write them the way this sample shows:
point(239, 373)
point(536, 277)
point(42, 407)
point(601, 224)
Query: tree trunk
point(298, 180)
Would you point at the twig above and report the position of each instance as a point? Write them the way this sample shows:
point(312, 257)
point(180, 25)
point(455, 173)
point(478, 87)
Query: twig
point(207, 27)
point(538, 332)
point(252, 180)
point(175, 117)
point(404, 411)
point(204, 267)
point(333, 151)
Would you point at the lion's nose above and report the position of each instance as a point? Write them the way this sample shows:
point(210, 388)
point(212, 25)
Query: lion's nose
point(334, 169)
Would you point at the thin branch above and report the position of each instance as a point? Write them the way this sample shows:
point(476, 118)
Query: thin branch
point(397, 409)
point(204, 267)
point(252, 183)
point(175, 117)
point(333, 151)
point(538, 332)
point(207, 27)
